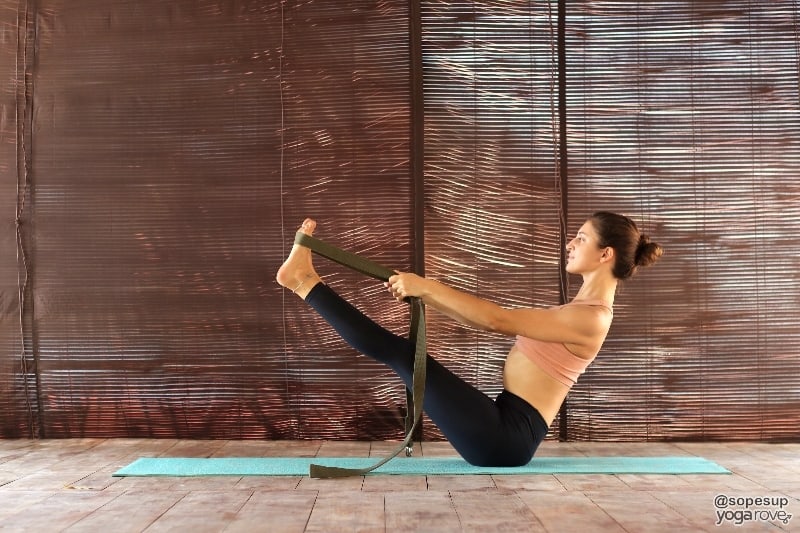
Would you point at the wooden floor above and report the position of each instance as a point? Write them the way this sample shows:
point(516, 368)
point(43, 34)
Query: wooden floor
point(66, 485)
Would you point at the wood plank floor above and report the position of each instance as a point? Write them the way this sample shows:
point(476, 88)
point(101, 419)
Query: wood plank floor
point(67, 485)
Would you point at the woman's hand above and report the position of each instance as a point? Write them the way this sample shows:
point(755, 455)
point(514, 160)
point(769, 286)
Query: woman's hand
point(404, 284)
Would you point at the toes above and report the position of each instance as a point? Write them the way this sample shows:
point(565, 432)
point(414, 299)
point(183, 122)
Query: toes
point(308, 226)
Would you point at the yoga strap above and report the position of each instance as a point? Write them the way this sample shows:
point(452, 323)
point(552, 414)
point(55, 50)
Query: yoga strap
point(370, 268)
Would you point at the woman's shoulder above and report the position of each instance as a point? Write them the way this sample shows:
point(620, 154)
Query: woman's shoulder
point(592, 303)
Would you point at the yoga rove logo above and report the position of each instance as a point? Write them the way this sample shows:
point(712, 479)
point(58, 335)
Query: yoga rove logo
point(739, 510)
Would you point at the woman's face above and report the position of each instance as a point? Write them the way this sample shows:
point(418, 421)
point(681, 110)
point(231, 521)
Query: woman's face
point(583, 252)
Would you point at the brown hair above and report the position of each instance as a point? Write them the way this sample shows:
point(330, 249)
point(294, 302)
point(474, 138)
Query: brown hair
point(633, 248)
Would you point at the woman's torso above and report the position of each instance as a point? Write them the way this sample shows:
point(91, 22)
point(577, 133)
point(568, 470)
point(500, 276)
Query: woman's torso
point(523, 377)
point(526, 379)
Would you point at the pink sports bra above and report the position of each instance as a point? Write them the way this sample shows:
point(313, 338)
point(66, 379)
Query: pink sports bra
point(554, 358)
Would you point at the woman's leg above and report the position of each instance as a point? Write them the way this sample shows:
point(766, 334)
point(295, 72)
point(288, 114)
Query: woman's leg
point(353, 326)
point(483, 431)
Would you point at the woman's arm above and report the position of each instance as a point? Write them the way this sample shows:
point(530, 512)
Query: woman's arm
point(573, 324)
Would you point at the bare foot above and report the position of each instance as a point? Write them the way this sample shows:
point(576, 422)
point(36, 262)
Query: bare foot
point(297, 272)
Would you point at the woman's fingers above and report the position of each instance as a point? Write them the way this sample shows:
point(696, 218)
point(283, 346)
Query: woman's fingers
point(395, 286)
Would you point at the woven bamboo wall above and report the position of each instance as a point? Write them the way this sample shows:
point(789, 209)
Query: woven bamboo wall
point(159, 157)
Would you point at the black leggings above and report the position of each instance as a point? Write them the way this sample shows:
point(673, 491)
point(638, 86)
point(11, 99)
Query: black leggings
point(501, 432)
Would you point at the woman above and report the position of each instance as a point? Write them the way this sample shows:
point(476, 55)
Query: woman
point(553, 346)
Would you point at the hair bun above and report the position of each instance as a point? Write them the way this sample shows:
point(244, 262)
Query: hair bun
point(647, 252)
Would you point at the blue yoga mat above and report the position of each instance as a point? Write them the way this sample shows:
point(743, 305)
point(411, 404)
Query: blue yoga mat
point(298, 466)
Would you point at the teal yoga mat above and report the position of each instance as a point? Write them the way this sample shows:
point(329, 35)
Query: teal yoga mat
point(430, 466)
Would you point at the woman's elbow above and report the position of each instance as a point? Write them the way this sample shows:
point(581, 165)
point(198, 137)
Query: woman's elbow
point(499, 323)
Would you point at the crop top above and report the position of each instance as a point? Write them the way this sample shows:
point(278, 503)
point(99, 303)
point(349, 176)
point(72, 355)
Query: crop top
point(554, 358)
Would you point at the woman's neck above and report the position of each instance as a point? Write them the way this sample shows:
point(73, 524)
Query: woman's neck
point(598, 288)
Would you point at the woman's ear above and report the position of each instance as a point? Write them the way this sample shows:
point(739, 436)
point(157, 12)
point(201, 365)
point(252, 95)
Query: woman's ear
point(607, 255)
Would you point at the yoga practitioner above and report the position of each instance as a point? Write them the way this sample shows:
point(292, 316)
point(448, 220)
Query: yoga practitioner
point(553, 345)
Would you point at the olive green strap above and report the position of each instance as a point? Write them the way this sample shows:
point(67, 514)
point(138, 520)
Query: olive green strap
point(348, 259)
point(414, 410)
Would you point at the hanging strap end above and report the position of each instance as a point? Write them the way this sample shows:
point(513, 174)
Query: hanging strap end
point(331, 472)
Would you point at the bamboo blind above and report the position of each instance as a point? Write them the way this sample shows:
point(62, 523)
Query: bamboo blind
point(158, 157)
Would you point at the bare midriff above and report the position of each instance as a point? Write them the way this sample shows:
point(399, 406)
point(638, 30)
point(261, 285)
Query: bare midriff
point(526, 379)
